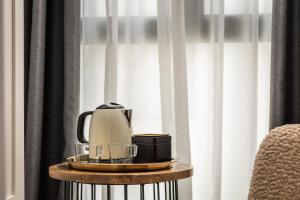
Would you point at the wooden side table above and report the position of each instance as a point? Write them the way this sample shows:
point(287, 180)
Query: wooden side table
point(74, 179)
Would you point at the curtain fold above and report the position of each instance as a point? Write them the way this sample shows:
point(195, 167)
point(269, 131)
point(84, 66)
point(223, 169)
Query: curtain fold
point(285, 72)
point(180, 88)
point(53, 92)
point(111, 52)
point(164, 39)
point(35, 103)
point(72, 31)
point(217, 51)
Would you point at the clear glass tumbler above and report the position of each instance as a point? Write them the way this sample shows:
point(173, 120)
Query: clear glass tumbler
point(88, 152)
point(122, 153)
point(131, 153)
point(81, 152)
point(95, 153)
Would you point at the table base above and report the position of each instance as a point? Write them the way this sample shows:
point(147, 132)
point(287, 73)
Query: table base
point(74, 191)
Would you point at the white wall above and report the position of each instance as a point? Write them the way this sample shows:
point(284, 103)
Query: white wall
point(11, 100)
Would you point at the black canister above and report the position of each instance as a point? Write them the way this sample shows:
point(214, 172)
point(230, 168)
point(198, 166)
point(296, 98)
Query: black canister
point(152, 148)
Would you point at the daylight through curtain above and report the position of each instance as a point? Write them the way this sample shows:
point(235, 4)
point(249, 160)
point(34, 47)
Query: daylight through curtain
point(197, 69)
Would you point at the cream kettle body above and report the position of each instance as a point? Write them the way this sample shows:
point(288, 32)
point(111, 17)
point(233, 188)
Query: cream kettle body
point(110, 124)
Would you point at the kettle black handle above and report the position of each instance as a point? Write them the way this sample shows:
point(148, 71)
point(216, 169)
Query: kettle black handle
point(80, 126)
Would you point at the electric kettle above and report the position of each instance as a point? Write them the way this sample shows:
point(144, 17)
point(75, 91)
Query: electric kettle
point(110, 124)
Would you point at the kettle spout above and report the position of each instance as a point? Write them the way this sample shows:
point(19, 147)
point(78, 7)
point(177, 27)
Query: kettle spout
point(128, 116)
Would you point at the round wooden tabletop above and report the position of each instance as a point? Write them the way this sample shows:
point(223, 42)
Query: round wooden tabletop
point(62, 172)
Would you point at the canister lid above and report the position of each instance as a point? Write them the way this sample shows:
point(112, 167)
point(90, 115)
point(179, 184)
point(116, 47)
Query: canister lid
point(151, 138)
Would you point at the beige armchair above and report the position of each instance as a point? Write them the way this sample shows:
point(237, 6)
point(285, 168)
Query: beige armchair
point(276, 173)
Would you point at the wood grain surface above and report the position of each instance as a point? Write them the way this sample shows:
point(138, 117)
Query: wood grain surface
point(63, 172)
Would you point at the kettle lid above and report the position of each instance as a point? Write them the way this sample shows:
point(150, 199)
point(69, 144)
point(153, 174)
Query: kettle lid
point(111, 106)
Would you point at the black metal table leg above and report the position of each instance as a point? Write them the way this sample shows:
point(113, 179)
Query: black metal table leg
point(176, 189)
point(71, 191)
point(125, 192)
point(173, 188)
point(95, 191)
point(108, 193)
point(158, 193)
point(142, 191)
point(154, 195)
point(81, 191)
point(170, 191)
point(92, 192)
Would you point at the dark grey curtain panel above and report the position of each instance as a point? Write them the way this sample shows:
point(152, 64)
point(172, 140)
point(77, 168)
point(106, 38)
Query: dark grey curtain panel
point(52, 67)
point(285, 73)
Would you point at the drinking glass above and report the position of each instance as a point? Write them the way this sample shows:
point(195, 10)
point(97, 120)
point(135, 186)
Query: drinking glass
point(122, 153)
point(81, 152)
point(88, 152)
point(131, 152)
point(117, 153)
point(95, 153)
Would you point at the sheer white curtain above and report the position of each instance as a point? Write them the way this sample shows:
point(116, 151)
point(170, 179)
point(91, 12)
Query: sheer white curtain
point(197, 69)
